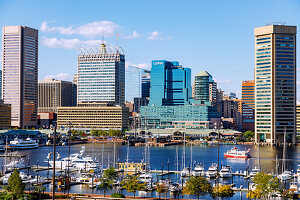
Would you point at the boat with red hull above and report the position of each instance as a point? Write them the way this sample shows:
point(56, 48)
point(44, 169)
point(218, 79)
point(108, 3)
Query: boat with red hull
point(235, 153)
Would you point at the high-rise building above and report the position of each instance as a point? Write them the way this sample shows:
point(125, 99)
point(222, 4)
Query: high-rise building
point(205, 88)
point(275, 83)
point(170, 84)
point(20, 74)
point(137, 83)
point(248, 92)
point(146, 84)
point(53, 94)
point(0, 84)
point(101, 75)
point(74, 90)
point(5, 115)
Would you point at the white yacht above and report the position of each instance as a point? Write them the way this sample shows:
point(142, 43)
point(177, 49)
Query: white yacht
point(226, 171)
point(298, 171)
point(254, 172)
point(77, 161)
point(198, 170)
point(212, 171)
point(185, 172)
point(23, 144)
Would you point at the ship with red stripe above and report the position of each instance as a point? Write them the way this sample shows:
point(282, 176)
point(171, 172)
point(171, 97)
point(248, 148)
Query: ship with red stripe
point(235, 153)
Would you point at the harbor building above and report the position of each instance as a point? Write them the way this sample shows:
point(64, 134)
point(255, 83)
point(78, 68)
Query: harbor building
point(54, 93)
point(5, 115)
point(170, 84)
point(87, 116)
point(101, 75)
point(20, 74)
point(248, 105)
point(275, 84)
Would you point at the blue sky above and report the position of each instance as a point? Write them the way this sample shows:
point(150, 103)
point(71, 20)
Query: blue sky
point(216, 36)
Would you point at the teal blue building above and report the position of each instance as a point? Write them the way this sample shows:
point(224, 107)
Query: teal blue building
point(170, 84)
point(163, 116)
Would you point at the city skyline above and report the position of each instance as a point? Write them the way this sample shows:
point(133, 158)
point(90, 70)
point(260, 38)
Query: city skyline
point(191, 39)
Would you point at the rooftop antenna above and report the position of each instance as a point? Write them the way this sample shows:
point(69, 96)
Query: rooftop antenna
point(117, 47)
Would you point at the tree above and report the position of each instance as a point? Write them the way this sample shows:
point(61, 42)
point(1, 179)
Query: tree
point(249, 135)
point(223, 191)
point(198, 186)
point(265, 185)
point(105, 184)
point(15, 185)
point(133, 184)
point(110, 173)
point(161, 188)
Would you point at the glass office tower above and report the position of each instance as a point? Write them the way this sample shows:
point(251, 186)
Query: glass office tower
point(20, 74)
point(101, 75)
point(275, 83)
point(170, 84)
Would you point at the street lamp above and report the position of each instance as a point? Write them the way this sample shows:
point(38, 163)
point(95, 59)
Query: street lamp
point(217, 127)
point(69, 123)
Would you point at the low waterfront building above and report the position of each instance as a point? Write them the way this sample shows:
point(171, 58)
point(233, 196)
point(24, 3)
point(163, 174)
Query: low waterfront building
point(190, 124)
point(5, 115)
point(87, 116)
point(164, 116)
point(22, 134)
point(131, 166)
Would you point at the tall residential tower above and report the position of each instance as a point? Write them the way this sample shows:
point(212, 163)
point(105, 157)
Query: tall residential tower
point(20, 74)
point(275, 83)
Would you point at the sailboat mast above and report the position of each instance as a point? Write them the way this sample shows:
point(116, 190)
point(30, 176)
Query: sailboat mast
point(183, 150)
point(191, 155)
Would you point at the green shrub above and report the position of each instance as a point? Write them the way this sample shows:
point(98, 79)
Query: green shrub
point(117, 195)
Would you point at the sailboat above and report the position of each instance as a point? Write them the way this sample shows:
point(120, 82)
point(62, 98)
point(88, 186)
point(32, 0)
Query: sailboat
point(286, 174)
point(186, 170)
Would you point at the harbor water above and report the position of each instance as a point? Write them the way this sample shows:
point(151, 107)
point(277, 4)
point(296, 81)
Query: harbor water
point(162, 157)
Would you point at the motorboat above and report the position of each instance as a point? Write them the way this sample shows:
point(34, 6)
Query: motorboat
point(147, 178)
point(212, 171)
point(16, 164)
point(298, 172)
point(235, 153)
point(23, 144)
point(286, 175)
point(185, 172)
point(25, 178)
point(198, 170)
point(174, 188)
point(226, 171)
point(254, 172)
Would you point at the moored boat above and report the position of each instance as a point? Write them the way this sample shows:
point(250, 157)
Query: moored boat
point(23, 144)
point(235, 153)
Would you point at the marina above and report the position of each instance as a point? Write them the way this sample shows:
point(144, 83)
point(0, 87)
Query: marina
point(164, 164)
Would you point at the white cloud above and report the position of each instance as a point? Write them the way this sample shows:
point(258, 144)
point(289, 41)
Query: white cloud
point(223, 81)
point(69, 43)
point(298, 82)
point(154, 36)
point(133, 35)
point(96, 28)
point(140, 65)
point(61, 76)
